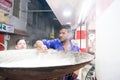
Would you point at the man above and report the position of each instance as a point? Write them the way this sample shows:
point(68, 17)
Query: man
point(62, 43)
point(21, 44)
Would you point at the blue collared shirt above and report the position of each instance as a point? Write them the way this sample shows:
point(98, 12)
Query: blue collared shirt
point(57, 45)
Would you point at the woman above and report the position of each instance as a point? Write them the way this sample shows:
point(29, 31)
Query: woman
point(21, 44)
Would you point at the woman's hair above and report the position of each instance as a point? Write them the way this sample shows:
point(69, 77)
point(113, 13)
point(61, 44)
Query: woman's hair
point(19, 40)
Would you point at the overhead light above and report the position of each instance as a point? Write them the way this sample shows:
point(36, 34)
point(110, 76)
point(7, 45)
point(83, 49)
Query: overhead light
point(68, 23)
point(67, 13)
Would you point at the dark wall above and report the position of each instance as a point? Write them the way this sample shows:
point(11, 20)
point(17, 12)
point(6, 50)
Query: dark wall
point(40, 24)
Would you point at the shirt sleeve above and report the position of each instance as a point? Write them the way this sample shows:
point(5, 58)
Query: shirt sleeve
point(49, 43)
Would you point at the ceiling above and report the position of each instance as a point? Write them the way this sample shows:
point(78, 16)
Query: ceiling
point(59, 6)
point(79, 10)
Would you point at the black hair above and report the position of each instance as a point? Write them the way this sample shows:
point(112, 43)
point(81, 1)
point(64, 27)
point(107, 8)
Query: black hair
point(66, 27)
point(19, 40)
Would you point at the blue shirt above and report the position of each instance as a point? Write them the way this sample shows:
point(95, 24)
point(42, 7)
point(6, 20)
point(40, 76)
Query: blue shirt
point(56, 44)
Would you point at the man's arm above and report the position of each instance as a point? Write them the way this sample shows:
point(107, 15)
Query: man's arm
point(39, 45)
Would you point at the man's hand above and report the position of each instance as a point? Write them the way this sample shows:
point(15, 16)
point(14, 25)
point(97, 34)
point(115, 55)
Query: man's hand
point(40, 46)
point(75, 74)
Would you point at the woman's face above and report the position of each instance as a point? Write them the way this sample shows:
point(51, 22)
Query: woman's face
point(21, 45)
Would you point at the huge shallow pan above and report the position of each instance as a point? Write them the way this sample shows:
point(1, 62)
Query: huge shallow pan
point(34, 65)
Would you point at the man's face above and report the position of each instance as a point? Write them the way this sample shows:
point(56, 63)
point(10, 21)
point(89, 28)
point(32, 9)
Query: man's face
point(21, 45)
point(63, 35)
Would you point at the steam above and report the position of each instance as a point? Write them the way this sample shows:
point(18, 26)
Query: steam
point(33, 58)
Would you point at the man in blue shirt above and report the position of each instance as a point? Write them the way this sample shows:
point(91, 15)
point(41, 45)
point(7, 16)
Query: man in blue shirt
point(62, 43)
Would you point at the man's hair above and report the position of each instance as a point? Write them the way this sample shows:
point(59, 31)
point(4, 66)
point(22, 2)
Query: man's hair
point(19, 40)
point(66, 27)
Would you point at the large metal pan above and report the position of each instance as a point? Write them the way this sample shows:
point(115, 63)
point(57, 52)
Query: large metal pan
point(16, 65)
